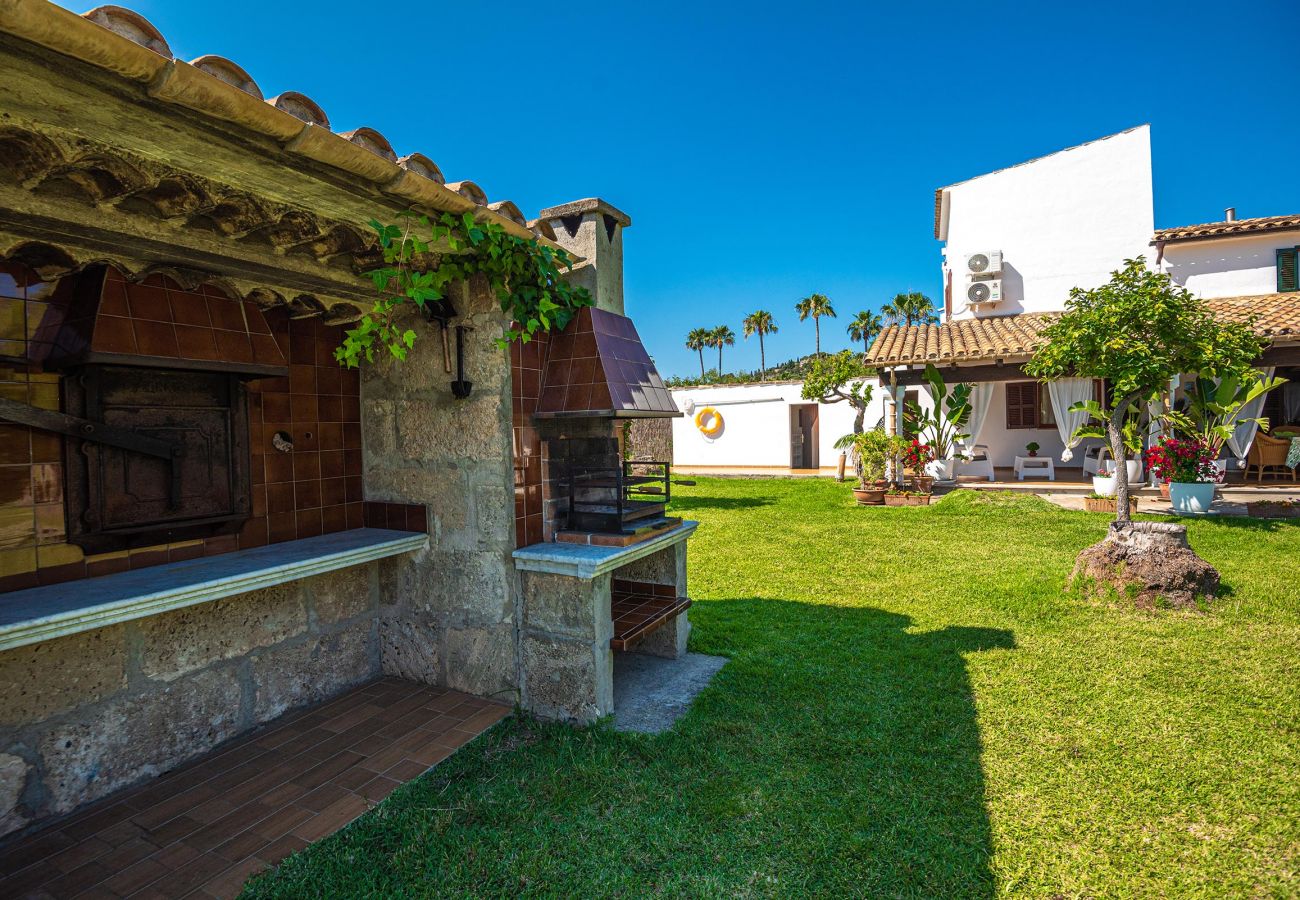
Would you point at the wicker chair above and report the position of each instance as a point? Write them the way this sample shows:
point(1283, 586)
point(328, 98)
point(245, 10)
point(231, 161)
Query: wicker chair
point(1267, 453)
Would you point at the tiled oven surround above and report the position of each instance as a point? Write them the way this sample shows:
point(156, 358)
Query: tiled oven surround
point(315, 489)
point(527, 362)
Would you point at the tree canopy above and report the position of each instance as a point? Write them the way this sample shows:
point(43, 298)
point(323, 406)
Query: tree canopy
point(912, 308)
point(839, 377)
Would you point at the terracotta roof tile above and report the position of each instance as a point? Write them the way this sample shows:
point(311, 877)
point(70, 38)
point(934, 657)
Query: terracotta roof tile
point(1227, 229)
point(1016, 337)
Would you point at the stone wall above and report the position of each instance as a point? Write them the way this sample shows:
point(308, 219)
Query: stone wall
point(91, 713)
point(650, 439)
point(448, 613)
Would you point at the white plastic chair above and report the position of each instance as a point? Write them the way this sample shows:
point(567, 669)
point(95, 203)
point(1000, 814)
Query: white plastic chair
point(980, 464)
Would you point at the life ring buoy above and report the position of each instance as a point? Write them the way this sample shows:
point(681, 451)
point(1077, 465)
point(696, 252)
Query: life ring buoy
point(714, 424)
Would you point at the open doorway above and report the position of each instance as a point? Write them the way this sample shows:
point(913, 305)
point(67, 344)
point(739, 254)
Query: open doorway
point(804, 436)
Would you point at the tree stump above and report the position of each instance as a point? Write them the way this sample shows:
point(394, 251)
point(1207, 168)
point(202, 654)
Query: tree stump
point(1149, 562)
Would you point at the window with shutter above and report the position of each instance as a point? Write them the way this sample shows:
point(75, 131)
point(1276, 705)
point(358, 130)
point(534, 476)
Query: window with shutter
point(1288, 270)
point(1022, 404)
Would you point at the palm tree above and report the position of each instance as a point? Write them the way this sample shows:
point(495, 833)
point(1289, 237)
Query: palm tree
point(720, 336)
point(815, 305)
point(864, 327)
point(912, 308)
point(697, 340)
point(760, 323)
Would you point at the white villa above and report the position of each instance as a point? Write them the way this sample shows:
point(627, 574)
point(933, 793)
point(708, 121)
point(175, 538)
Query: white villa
point(1017, 240)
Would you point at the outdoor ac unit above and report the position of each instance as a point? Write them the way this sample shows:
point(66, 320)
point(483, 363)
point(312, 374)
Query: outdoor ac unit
point(986, 291)
point(984, 265)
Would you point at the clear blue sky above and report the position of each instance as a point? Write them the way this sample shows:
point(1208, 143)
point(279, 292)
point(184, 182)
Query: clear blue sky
point(768, 151)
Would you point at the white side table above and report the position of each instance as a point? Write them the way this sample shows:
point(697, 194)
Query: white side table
point(1033, 466)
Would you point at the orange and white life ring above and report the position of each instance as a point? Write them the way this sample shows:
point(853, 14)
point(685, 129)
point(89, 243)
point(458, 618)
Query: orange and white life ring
point(714, 423)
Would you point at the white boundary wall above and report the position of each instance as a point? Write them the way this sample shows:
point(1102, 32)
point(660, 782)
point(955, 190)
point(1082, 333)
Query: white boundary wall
point(756, 429)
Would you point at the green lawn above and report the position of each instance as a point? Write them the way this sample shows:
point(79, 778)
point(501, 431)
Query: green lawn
point(912, 708)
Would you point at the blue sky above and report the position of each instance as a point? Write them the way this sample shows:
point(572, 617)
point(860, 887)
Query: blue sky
point(767, 151)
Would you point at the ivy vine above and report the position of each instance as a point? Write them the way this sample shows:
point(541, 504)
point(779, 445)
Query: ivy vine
point(526, 275)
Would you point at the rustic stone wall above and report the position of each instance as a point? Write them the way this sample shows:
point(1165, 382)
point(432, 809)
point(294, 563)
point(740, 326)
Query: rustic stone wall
point(91, 713)
point(650, 439)
point(448, 613)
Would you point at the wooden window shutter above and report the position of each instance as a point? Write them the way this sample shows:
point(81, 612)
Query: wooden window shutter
point(1022, 404)
point(1288, 271)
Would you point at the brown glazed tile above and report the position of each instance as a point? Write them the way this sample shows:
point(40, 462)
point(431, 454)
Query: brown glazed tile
point(356, 513)
point(253, 533)
point(417, 518)
point(309, 523)
point(302, 379)
point(148, 301)
point(196, 343)
point(334, 519)
point(234, 346)
point(282, 527)
point(227, 315)
point(113, 335)
point(306, 494)
point(275, 407)
point(155, 339)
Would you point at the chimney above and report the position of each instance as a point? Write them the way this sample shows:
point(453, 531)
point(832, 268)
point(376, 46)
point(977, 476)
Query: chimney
point(593, 230)
point(1230, 214)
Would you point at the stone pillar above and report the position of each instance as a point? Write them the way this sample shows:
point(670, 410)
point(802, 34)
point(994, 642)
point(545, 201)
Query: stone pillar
point(448, 614)
point(568, 666)
point(593, 230)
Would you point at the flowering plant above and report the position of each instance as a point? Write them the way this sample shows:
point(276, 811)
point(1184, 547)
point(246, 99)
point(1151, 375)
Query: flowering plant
point(916, 455)
point(1184, 461)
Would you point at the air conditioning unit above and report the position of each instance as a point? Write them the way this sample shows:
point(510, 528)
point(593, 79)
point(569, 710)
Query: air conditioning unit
point(980, 293)
point(984, 265)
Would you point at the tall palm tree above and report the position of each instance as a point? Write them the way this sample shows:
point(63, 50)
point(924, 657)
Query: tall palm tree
point(864, 327)
point(912, 308)
point(719, 337)
point(815, 305)
point(697, 340)
point(760, 323)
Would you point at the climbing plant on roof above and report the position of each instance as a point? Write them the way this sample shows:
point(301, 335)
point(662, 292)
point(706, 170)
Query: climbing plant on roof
point(526, 275)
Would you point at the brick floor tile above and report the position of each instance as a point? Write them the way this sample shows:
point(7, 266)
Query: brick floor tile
point(368, 746)
point(195, 873)
point(241, 846)
point(282, 794)
point(324, 771)
point(332, 818)
point(211, 810)
point(79, 879)
point(78, 854)
point(172, 830)
point(177, 855)
point(230, 882)
point(128, 854)
point(485, 718)
point(352, 717)
point(273, 853)
point(103, 818)
point(322, 797)
point(378, 788)
point(383, 761)
point(354, 777)
point(407, 770)
point(452, 740)
point(35, 848)
point(431, 755)
point(132, 878)
point(210, 836)
point(28, 879)
point(282, 822)
point(449, 700)
point(173, 806)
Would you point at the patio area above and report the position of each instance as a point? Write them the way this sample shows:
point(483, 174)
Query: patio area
point(205, 828)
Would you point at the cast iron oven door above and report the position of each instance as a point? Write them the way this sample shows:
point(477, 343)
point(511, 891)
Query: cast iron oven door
point(119, 498)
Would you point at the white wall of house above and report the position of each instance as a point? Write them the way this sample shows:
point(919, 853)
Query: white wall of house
point(1062, 221)
point(757, 429)
point(1228, 266)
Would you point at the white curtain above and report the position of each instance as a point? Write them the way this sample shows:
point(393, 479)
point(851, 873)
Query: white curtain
point(1064, 393)
point(1244, 434)
point(1291, 401)
point(981, 398)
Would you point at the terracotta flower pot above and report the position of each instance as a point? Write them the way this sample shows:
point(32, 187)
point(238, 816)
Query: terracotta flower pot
point(873, 496)
point(1164, 489)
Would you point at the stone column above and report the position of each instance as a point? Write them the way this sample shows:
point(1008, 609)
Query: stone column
point(568, 666)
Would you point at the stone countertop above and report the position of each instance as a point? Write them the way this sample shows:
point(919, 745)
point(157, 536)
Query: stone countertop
point(41, 613)
point(587, 561)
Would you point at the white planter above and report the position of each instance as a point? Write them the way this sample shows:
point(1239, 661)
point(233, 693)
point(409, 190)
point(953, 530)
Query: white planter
point(1134, 467)
point(1104, 485)
point(941, 469)
point(1193, 498)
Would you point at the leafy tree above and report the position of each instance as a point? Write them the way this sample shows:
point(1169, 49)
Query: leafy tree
point(1137, 332)
point(840, 377)
point(815, 305)
point(697, 340)
point(760, 323)
point(720, 337)
point(864, 327)
point(912, 308)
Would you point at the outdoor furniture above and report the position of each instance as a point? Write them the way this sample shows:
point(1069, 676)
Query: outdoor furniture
point(1268, 453)
point(1033, 466)
point(1092, 459)
point(979, 465)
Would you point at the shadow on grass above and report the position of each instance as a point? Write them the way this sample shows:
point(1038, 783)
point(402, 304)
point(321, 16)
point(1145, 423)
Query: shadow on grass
point(884, 720)
point(685, 504)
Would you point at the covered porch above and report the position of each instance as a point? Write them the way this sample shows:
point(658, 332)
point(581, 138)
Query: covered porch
point(1011, 410)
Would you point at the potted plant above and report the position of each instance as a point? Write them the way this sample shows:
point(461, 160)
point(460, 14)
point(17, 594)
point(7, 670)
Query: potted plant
point(871, 451)
point(1096, 502)
point(1032, 448)
point(942, 427)
point(917, 457)
point(897, 497)
point(1188, 466)
point(1213, 405)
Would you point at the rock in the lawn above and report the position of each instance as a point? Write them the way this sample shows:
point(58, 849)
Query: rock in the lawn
point(1150, 563)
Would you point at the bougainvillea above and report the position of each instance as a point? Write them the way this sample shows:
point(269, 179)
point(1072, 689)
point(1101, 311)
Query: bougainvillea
point(1183, 461)
point(916, 455)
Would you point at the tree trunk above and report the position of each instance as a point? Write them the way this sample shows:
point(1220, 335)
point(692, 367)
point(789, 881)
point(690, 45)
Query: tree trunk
point(1148, 563)
point(1115, 435)
point(701, 349)
point(817, 330)
point(762, 359)
point(719, 359)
